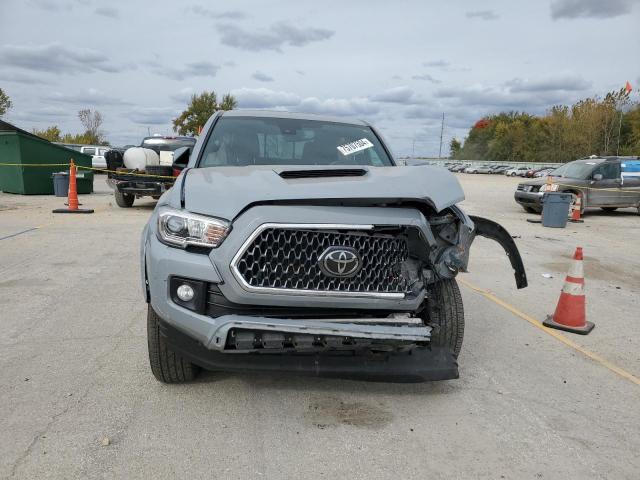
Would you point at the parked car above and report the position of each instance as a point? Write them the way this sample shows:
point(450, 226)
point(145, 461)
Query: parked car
point(543, 172)
point(599, 182)
point(500, 169)
point(473, 168)
point(97, 155)
point(460, 168)
point(484, 169)
point(517, 171)
point(292, 242)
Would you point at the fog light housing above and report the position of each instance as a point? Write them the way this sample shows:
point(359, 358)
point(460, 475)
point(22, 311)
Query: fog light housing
point(188, 293)
point(185, 292)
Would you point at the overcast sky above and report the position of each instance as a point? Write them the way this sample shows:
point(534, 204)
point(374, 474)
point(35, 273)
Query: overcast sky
point(398, 64)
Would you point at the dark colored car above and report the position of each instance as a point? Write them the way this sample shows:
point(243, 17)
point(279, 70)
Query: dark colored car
point(608, 183)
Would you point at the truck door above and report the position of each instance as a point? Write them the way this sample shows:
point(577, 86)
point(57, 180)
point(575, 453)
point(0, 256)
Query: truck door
point(605, 186)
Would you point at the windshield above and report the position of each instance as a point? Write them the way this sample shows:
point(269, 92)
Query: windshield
point(244, 141)
point(160, 144)
point(579, 170)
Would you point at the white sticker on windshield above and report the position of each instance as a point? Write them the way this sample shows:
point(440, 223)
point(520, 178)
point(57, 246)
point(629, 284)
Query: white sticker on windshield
point(353, 147)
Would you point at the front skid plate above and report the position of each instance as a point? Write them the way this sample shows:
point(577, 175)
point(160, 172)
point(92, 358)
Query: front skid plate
point(420, 365)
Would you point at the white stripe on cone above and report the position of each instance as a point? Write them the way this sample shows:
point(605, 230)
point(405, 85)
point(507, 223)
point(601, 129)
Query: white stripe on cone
point(576, 269)
point(573, 288)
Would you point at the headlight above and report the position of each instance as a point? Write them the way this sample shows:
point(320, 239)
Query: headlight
point(182, 229)
point(549, 187)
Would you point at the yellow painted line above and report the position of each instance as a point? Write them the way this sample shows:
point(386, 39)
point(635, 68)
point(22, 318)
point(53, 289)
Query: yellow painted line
point(554, 333)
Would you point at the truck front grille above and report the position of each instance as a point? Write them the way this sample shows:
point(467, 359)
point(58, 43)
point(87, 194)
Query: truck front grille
point(288, 259)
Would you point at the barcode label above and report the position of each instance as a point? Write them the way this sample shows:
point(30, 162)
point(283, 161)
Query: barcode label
point(353, 147)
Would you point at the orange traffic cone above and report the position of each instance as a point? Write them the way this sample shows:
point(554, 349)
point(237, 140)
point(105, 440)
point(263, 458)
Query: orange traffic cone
point(575, 210)
point(73, 194)
point(570, 312)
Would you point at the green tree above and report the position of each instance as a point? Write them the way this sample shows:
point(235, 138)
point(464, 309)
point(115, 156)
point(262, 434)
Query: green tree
point(201, 107)
point(454, 148)
point(52, 133)
point(5, 102)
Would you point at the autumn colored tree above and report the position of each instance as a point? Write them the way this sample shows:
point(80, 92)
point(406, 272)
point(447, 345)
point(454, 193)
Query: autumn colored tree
point(600, 126)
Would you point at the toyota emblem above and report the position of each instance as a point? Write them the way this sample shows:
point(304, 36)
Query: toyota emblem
point(340, 262)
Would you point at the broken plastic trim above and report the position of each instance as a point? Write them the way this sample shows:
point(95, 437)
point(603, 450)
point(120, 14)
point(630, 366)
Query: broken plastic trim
point(489, 229)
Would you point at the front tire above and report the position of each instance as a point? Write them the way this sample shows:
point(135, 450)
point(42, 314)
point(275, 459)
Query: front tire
point(166, 365)
point(446, 313)
point(124, 200)
point(530, 209)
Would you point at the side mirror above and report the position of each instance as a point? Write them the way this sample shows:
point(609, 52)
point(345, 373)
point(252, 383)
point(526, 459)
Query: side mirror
point(597, 177)
point(181, 158)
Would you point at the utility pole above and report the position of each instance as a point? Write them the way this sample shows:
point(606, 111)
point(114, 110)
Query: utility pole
point(441, 130)
point(413, 149)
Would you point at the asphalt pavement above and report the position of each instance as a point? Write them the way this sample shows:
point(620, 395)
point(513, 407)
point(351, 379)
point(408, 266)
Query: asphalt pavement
point(79, 401)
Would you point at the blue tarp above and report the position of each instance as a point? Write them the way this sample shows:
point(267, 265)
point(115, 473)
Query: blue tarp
point(630, 168)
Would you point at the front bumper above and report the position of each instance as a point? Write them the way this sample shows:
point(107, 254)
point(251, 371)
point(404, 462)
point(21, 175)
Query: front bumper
point(418, 365)
point(529, 199)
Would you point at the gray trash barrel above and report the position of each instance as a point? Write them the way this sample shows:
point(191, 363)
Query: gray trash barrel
point(555, 209)
point(61, 184)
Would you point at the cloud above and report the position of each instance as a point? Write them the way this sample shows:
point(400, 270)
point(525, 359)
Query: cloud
point(338, 106)
point(193, 69)
point(483, 14)
point(264, 98)
point(524, 95)
point(228, 14)
point(183, 96)
point(56, 58)
point(279, 100)
point(426, 77)
point(423, 111)
point(565, 83)
point(277, 36)
point(262, 77)
point(402, 95)
point(108, 12)
point(18, 77)
point(89, 98)
point(50, 5)
point(590, 8)
point(436, 63)
point(152, 116)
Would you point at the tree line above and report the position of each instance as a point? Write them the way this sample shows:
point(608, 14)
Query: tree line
point(592, 126)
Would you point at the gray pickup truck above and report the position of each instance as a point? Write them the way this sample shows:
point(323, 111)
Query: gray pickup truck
point(294, 243)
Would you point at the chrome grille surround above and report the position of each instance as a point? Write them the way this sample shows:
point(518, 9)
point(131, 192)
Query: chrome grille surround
point(295, 241)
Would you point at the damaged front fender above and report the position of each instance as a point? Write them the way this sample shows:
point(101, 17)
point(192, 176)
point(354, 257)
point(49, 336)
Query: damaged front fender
point(454, 233)
point(492, 230)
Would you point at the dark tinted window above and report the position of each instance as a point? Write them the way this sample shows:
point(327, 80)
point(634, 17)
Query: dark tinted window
point(608, 170)
point(242, 141)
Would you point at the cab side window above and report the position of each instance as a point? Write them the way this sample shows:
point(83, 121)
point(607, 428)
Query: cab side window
point(608, 170)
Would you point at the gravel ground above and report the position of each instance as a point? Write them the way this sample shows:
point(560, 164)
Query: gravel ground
point(78, 399)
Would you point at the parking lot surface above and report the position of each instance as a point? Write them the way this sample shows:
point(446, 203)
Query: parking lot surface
point(79, 401)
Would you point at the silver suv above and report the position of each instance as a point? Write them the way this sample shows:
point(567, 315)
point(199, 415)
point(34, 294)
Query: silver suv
point(294, 243)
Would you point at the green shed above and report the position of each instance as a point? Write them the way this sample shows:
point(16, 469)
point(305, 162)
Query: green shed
point(22, 148)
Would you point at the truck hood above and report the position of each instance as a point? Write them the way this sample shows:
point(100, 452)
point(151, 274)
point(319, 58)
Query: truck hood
point(226, 191)
point(543, 180)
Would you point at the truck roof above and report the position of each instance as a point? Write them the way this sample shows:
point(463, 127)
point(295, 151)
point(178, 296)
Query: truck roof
point(293, 115)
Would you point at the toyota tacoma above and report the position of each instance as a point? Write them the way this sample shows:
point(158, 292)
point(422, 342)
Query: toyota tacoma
point(295, 243)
